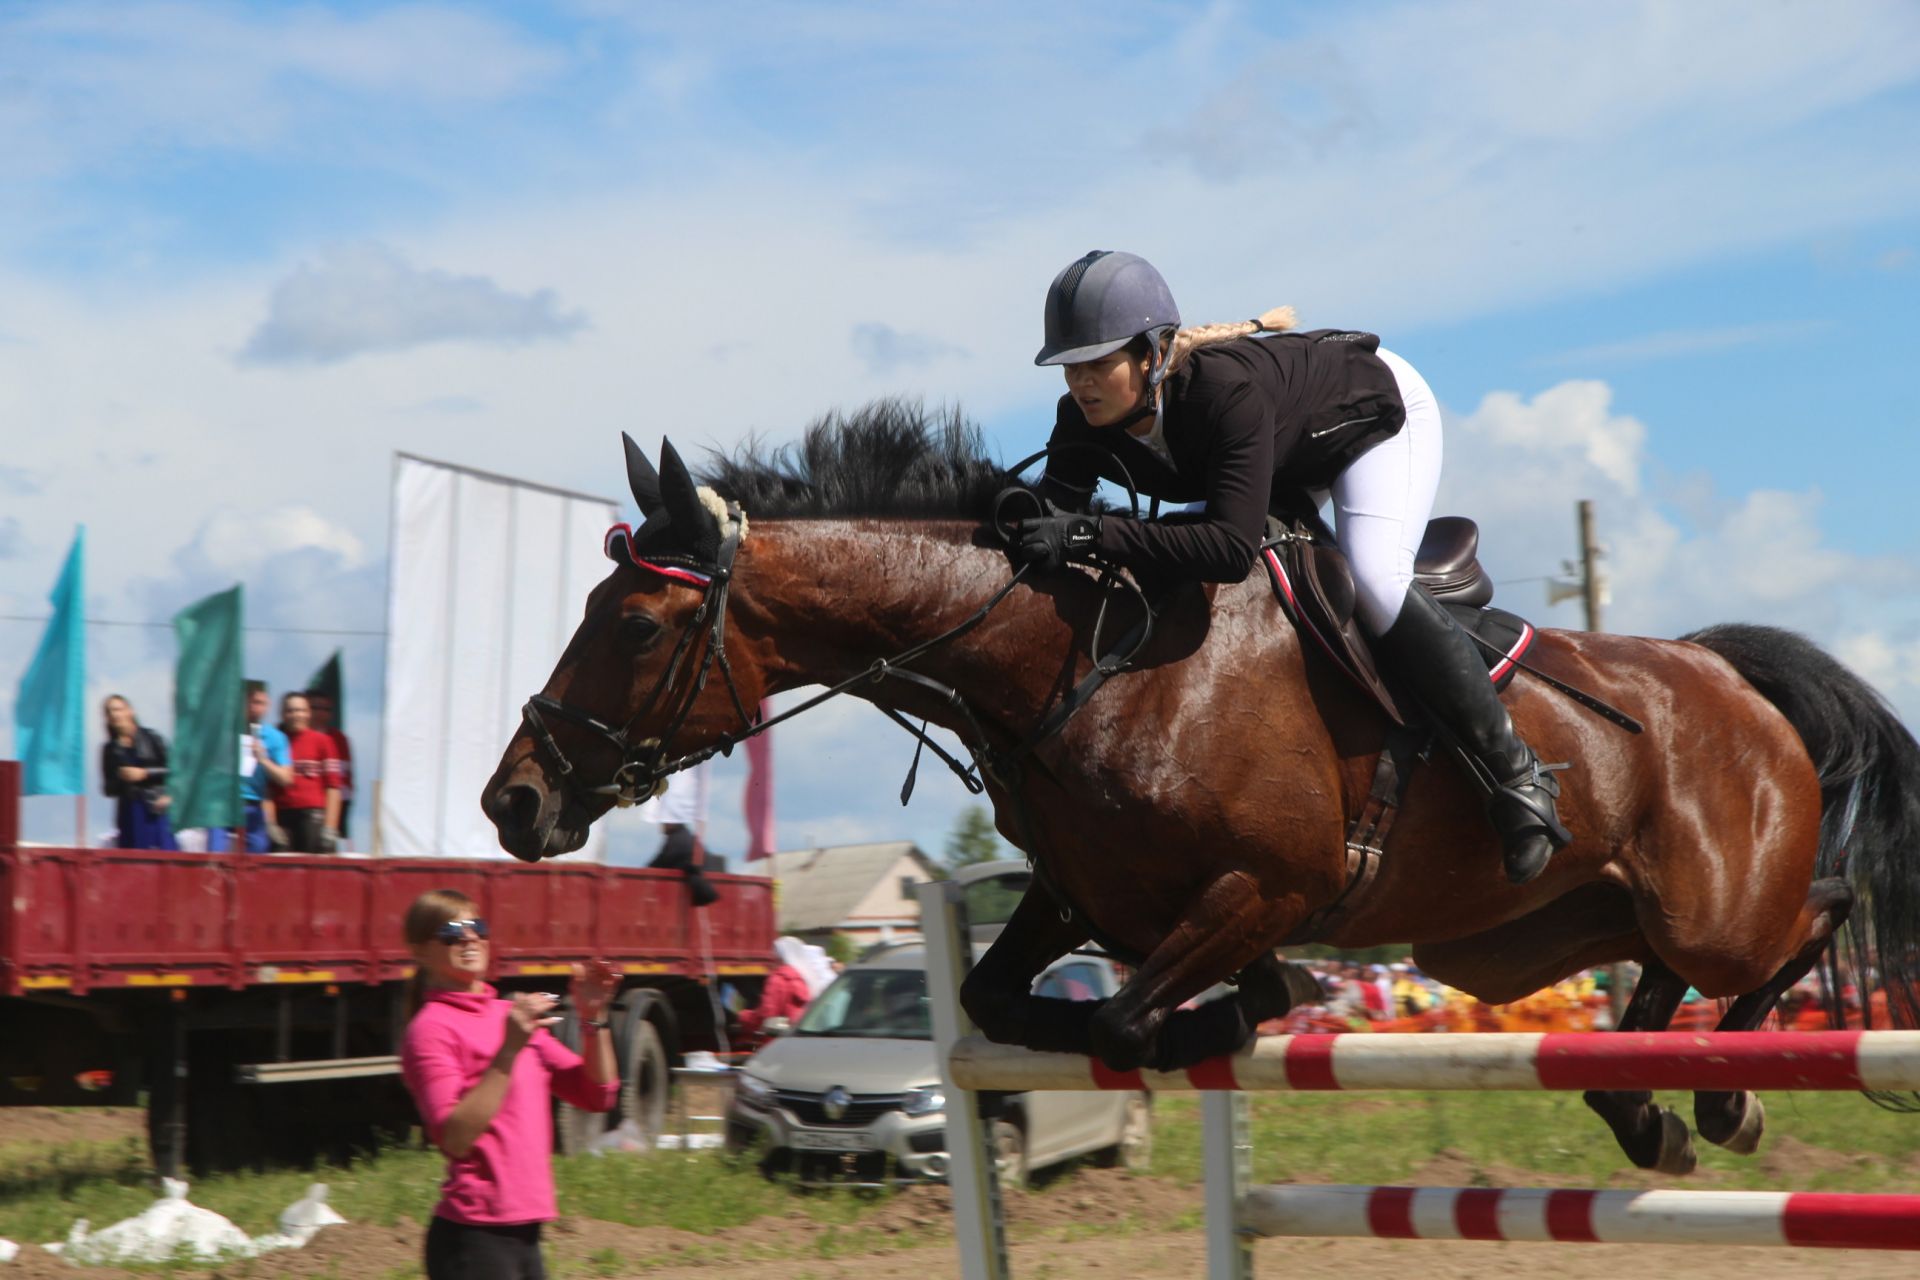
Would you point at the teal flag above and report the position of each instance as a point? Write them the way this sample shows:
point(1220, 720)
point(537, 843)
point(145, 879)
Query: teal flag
point(209, 710)
point(49, 720)
point(330, 682)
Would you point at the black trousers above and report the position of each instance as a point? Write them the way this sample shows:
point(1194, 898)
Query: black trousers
point(463, 1251)
point(303, 828)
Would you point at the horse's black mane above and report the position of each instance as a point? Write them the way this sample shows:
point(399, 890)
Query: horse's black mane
point(887, 458)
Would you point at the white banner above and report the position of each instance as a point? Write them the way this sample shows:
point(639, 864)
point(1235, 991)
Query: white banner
point(486, 579)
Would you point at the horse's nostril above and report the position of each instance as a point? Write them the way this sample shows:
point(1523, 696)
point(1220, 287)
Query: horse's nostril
point(518, 806)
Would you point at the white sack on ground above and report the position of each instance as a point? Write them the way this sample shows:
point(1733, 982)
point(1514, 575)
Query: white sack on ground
point(168, 1228)
point(301, 1221)
point(171, 1227)
point(8, 1251)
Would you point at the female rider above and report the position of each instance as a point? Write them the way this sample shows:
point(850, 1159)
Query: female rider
point(1220, 415)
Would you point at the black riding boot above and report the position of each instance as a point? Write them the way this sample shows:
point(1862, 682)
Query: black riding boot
point(1429, 652)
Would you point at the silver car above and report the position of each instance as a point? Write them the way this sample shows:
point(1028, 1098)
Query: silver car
point(851, 1094)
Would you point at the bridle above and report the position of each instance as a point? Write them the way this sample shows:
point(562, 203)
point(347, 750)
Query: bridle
point(645, 764)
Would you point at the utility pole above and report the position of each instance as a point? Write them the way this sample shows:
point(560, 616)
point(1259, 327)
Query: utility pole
point(1591, 587)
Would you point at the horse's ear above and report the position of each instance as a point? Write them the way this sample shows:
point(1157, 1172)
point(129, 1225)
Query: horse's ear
point(641, 477)
point(694, 526)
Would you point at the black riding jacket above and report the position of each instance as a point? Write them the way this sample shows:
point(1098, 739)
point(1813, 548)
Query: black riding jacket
point(1241, 419)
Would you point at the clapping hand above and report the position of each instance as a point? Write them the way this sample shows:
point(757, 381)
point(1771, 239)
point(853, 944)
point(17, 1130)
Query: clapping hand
point(593, 989)
point(528, 1013)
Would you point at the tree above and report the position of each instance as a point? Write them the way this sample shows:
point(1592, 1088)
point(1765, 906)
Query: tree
point(973, 839)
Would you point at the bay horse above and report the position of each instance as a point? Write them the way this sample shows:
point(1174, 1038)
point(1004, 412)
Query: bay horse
point(1192, 814)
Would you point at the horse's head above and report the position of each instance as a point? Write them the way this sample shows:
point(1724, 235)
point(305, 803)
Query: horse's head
point(631, 693)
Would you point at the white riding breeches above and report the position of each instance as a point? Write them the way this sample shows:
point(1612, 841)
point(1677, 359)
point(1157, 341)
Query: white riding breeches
point(1383, 500)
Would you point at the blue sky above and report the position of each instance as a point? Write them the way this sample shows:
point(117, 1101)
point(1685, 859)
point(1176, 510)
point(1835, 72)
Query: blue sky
point(1659, 255)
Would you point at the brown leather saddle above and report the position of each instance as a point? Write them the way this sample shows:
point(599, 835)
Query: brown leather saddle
point(1311, 577)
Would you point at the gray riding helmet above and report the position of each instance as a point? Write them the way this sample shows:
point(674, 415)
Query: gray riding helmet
point(1102, 302)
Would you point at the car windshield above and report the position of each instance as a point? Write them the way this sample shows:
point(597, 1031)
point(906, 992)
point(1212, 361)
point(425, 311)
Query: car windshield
point(871, 1004)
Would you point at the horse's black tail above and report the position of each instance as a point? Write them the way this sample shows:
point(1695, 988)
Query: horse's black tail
point(1869, 767)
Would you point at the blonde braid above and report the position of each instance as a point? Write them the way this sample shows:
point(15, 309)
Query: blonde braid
point(1187, 341)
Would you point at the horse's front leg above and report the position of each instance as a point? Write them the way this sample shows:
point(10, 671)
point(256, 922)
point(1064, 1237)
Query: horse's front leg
point(998, 991)
point(1223, 930)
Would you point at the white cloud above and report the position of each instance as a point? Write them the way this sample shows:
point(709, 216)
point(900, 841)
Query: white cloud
point(1570, 422)
point(886, 350)
point(366, 298)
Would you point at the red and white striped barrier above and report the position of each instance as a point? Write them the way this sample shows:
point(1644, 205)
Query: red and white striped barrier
point(1587, 1217)
point(1789, 1060)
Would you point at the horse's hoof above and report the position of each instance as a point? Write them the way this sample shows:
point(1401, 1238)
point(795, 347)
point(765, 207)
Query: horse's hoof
point(1746, 1139)
point(1676, 1145)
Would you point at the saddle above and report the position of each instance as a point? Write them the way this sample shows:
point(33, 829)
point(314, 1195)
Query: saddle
point(1311, 577)
point(1315, 585)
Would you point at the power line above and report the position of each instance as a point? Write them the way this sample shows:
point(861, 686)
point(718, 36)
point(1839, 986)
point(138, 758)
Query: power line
point(281, 631)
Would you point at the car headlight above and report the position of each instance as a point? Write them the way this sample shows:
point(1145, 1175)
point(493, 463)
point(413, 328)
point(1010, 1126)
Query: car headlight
point(753, 1091)
point(920, 1102)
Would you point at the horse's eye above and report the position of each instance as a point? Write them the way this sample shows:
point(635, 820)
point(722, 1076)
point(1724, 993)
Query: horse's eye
point(639, 632)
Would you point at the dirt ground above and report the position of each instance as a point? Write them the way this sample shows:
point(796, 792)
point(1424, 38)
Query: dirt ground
point(1085, 1226)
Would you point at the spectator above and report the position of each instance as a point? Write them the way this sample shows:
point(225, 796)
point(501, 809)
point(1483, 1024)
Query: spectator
point(683, 851)
point(265, 763)
point(482, 1071)
point(321, 704)
point(310, 803)
point(133, 770)
point(794, 982)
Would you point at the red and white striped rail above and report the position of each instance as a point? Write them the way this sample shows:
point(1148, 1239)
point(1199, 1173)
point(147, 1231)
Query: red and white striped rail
point(1786, 1060)
point(1587, 1217)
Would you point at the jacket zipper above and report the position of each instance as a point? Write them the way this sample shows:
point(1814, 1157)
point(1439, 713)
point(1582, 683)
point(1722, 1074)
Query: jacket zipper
point(1350, 422)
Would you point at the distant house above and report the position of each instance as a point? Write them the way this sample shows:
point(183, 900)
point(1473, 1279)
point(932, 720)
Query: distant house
point(865, 891)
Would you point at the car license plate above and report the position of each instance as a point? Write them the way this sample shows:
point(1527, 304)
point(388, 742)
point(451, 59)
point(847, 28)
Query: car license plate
point(814, 1140)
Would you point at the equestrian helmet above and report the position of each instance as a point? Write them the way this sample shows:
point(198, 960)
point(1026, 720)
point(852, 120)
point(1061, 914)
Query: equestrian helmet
point(1100, 303)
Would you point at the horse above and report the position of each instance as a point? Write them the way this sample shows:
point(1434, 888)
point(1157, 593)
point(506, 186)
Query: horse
point(1191, 815)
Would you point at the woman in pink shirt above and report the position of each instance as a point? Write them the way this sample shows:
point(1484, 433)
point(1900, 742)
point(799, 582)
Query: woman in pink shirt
point(481, 1069)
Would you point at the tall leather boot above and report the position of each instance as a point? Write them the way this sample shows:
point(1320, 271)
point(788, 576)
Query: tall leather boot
point(1429, 652)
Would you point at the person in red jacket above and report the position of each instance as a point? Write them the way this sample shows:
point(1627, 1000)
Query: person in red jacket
point(790, 987)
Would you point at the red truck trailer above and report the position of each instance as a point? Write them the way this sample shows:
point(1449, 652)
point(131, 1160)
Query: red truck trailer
point(258, 1002)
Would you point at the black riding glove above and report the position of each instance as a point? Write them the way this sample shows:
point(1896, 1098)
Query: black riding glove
point(1048, 542)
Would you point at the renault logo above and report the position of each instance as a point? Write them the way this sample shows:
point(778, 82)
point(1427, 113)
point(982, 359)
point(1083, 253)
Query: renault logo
point(834, 1103)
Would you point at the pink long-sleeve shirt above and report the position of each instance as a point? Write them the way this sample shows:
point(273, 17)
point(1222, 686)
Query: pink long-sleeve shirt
point(508, 1176)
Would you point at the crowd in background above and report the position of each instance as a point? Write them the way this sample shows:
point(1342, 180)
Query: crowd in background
point(296, 779)
point(1398, 997)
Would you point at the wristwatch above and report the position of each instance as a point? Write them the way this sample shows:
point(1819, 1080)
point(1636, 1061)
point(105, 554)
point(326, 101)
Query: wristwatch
point(597, 1024)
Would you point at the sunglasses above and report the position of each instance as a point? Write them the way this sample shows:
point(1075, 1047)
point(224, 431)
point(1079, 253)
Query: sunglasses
point(456, 930)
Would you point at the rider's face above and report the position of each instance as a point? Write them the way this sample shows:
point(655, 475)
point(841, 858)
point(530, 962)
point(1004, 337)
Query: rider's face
point(1108, 389)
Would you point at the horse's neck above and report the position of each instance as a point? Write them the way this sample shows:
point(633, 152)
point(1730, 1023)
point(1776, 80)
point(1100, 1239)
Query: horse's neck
point(825, 599)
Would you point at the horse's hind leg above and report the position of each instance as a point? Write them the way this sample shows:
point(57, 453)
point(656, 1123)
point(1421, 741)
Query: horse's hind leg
point(1654, 1137)
point(997, 992)
point(1736, 1120)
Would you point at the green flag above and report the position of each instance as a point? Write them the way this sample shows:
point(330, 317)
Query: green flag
point(329, 683)
point(209, 710)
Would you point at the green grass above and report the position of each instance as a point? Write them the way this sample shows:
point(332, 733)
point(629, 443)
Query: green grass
point(1362, 1138)
point(1382, 1138)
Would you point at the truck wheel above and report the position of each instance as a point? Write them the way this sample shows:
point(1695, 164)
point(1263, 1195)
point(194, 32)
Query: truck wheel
point(648, 1079)
point(574, 1130)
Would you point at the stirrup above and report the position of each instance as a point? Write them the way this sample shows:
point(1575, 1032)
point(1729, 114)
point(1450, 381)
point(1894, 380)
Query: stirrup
point(1525, 789)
